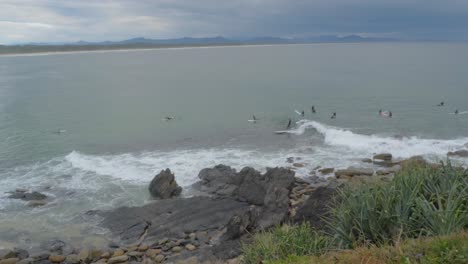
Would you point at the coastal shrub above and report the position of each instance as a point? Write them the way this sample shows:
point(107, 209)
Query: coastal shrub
point(421, 200)
point(451, 249)
point(283, 241)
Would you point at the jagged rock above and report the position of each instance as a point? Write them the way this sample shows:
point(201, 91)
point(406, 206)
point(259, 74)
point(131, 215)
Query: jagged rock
point(164, 185)
point(383, 156)
point(460, 153)
point(221, 180)
point(352, 171)
point(315, 207)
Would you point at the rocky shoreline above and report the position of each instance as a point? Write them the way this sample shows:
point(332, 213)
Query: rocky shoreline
point(211, 227)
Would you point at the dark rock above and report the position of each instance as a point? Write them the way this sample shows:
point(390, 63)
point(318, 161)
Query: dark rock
point(6, 253)
point(367, 160)
point(221, 180)
point(57, 247)
point(315, 208)
point(164, 185)
point(228, 249)
point(21, 253)
point(28, 196)
point(327, 170)
point(383, 156)
point(460, 153)
point(242, 223)
point(352, 171)
point(187, 215)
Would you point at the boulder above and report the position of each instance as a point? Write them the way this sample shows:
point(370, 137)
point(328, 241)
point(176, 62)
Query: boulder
point(353, 171)
point(221, 180)
point(36, 203)
point(459, 153)
point(118, 259)
point(164, 185)
point(383, 156)
point(9, 261)
point(57, 247)
point(56, 258)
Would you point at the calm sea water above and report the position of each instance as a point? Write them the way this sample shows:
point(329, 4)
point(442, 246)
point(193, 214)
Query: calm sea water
point(112, 106)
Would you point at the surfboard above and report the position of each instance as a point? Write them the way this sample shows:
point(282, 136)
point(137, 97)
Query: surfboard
point(251, 121)
point(297, 112)
point(385, 114)
point(281, 132)
point(460, 113)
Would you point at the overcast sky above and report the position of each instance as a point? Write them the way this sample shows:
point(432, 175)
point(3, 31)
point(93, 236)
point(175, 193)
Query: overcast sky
point(96, 20)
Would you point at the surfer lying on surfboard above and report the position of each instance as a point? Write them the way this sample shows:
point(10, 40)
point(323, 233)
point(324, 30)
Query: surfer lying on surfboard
point(313, 109)
point(333, 115)
point(168, 118)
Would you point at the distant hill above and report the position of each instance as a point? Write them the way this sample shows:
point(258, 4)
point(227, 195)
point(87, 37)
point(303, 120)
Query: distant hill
point(141, 42)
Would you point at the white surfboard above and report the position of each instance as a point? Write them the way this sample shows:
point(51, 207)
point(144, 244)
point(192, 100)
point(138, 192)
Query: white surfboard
point(281, 132)
point(460, 113)
point(252, 121)
point(297, 112)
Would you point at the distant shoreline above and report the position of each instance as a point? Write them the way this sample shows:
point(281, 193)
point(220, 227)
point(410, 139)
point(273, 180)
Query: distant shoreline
point(51, 50)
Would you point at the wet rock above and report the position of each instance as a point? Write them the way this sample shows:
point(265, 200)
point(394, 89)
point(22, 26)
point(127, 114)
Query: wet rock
point(367, 160)
point(290, 160)
point(36, 203)
point(58, 247)
point(118, 259)
point(28, 196)
point(164, 186)
point(72, 259)
point(383, 156)
point(298, 165)
point(459, 153)
point(9, 261)
point(56, 258)
point(242, 223)
point(327, 170)
point(353, 171)
point(41, 256)
point(135, 254)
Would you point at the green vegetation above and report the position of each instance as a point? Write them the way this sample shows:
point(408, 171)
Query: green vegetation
point(377, 219)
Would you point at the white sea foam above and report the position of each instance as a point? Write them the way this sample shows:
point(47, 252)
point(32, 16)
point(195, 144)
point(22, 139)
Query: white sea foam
point(399, 146)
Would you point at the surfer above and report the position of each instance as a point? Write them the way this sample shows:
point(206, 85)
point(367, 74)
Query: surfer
point(456, 112)
point(60, 131)
point(313, 109)
point(302, 113)
point(168, 118)
point(289, 123)
point(380, 112)
point(441, 104)
point(390, 114)
point(254, 118)
point(333, 115)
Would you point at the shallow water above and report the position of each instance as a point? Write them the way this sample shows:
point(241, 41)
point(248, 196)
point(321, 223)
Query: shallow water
point(112, 107)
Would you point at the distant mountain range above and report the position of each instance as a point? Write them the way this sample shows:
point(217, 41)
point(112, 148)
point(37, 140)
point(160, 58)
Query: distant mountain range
point(220, 40)
point(141, 43)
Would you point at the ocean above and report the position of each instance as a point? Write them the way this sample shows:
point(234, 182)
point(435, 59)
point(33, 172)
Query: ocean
point(110, 107)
